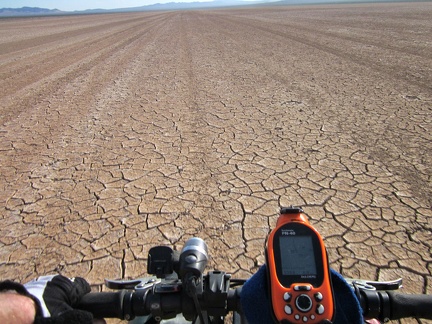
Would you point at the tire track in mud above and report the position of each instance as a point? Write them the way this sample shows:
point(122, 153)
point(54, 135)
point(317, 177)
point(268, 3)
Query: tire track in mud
point(307, 36)
point(26, 44)
point(364, 27)
point(220, 216)
point(62, 100)
point(69, 62)
point(71, 50)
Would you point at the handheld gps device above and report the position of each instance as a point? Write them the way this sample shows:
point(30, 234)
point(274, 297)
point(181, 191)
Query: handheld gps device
point(298, 271)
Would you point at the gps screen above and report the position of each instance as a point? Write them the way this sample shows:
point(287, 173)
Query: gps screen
point(297, 256)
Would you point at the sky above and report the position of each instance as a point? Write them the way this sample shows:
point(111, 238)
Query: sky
point(71, 5)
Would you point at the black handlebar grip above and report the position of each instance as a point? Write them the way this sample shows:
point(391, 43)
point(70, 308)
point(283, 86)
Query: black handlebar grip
point(389, 305)
point(407, 305)
point(105, 304)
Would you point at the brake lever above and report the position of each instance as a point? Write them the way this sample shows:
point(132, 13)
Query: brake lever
point(375, 285)
point(141, 283)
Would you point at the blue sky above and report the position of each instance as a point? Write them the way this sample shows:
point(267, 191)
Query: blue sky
point(70, 5)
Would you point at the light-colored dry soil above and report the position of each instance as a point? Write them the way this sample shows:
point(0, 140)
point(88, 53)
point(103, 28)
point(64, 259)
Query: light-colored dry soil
point(123, 131)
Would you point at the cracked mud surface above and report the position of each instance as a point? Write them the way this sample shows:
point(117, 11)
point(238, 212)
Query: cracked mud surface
point(120, 132)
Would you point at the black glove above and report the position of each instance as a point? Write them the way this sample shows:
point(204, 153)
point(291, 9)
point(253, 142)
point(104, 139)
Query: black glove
point(57, 296)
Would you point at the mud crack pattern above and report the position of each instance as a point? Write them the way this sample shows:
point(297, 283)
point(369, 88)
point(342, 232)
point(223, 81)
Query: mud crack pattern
point(121, 132)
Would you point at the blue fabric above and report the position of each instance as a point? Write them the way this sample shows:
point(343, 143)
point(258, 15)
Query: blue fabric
point(257, 309)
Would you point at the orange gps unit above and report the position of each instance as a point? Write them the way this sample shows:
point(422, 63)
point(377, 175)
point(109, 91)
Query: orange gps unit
point(298, 271)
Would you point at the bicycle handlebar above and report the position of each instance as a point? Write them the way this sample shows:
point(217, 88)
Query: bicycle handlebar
point(129, 304)
point(109, 304)
point(214, 296)
point(383, 305)
point(405, 305)
point(388, 305)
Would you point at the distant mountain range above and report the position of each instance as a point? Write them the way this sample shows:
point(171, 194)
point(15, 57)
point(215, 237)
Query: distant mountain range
point(180, 5)
point(27, 11)
point(34, 11)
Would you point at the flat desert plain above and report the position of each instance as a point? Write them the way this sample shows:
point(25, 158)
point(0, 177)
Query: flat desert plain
point(120, 132)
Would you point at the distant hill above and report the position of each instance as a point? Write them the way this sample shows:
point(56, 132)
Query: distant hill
point(179, 6)
point(34, 11)
point(28, 11)
point(232, 3)
point(190, 5)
